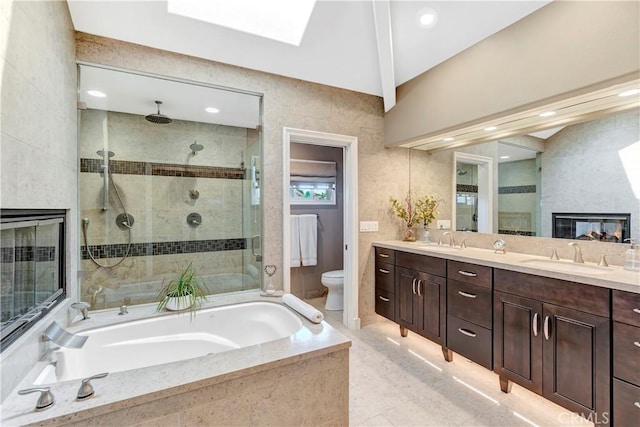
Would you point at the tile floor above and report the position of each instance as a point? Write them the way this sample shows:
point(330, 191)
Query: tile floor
point(397, 381)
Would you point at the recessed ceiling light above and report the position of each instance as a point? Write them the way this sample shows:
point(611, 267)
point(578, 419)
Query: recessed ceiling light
point(630, 92)
point(504, 157)
point(96, 93)
point(427, 17)
point(490, 128)
point(547, 114)
point(211, 110)
point(283, 20)
point(449, 138)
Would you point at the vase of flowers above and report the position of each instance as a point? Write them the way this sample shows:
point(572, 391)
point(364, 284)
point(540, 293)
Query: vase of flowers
point(421, 210)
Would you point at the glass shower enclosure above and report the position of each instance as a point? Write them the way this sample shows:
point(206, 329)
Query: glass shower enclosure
point(169, 176)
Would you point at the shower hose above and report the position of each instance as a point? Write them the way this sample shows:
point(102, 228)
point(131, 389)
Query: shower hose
point(85, 226)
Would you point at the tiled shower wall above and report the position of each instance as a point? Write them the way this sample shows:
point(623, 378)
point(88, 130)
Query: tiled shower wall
point(157, 176)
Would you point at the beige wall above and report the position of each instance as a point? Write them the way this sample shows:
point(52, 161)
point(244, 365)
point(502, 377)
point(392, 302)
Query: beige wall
point(38, 158)
point(564, 47)
point(297, 104)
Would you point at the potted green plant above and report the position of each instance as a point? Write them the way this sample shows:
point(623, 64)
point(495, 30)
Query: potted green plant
point(183, 291)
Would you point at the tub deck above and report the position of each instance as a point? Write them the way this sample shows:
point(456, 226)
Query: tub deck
point(290, 370)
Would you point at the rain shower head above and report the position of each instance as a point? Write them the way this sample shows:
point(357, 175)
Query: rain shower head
point(461, 172)
point(158, 118)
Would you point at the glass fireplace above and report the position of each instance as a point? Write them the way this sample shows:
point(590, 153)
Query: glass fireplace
point(609, 227)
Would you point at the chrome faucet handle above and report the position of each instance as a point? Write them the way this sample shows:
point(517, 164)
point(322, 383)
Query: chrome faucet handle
point(577, 257)
point(123, 310)
point(83, 307)
point(464, 243)
point(46, 399)
point(554, 254)
point(603, 261)
point(86, 389)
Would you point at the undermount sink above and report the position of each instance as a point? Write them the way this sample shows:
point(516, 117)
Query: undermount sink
point(565, 266)
point(444, 248)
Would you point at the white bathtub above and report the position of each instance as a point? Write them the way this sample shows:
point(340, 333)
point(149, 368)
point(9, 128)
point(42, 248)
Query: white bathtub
point(171, 338)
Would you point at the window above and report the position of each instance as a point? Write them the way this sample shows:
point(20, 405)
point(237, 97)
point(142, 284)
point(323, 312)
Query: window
point(32, 277)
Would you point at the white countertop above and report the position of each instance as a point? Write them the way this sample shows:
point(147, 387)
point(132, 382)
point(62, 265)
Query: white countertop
point(612, 277)
point(129, 388)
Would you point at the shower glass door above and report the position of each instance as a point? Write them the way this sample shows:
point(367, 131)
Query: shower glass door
point(164, 185)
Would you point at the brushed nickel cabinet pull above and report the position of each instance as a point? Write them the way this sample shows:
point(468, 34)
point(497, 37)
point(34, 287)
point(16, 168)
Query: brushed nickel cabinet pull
point(636, 343)
point(637, 404)
point(546, 327)
point(636, 310)
point(467, 295)
point(535, 324)
point(382, 270)
point(383, 298)
point(467, 273)
point(467, 333)
point(413, 285)
point(419, 284)
point(383, 255)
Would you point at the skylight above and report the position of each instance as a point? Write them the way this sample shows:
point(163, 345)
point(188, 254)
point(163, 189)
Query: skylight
point(281, 20)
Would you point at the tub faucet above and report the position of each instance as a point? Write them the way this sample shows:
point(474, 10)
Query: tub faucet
point(452, 239)
point(577, 256)
point(63, 338)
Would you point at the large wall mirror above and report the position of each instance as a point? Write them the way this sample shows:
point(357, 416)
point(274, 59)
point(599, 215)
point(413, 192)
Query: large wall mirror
point(579, 181)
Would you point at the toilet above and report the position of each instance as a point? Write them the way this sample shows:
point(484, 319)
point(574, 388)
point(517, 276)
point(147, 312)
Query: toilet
point(334, 281)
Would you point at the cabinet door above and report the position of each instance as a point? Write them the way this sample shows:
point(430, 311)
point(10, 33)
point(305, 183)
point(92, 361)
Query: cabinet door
point(406, 282)
point(517, 343)
point(431, 307)
point(576, 360)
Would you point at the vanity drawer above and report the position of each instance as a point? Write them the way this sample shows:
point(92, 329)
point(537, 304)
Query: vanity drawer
point(626, 404)
point(626, 353)
point(469, 302)
point(386, 304)
point(626, 307)
point(470, 340)
point(385, 276)
point(385, 255)
point(426, 264)
point(478, 275)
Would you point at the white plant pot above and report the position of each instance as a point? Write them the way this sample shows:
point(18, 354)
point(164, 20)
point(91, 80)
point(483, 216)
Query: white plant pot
point(178, 303)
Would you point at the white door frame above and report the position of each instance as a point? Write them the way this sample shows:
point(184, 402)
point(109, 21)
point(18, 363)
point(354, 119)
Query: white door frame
point(350, 149)
point(485, 189)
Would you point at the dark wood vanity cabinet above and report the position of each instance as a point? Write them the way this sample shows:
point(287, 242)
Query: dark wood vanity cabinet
point(626, 358)
point(553, 337)
point(470, 311)
point(385, 292)
point(421, 295)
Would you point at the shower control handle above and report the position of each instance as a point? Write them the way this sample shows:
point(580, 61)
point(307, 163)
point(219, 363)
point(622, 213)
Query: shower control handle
point(194, 219)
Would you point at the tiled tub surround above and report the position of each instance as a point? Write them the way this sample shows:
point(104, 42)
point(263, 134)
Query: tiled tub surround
point(298, 380)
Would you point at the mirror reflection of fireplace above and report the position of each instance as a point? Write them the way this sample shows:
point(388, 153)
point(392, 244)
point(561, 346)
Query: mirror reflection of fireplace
point(612, 228)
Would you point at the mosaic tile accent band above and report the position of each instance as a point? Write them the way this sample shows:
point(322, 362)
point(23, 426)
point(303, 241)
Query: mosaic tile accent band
point(163, 248)
point(162, 169)
point(28, 253)
point(517, 189)
point(464, 188)
point(517, 233)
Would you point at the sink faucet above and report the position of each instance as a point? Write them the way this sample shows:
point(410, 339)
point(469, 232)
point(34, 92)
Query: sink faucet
point(452, 239)
point(577, 257)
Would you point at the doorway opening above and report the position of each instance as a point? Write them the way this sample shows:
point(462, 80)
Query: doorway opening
point(300, 140)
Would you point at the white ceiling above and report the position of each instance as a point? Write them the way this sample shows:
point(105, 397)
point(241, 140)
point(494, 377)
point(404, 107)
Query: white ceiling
point(339, 48)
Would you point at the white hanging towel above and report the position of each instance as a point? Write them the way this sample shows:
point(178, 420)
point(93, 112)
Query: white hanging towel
point(309, 239)
point(295, 241)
